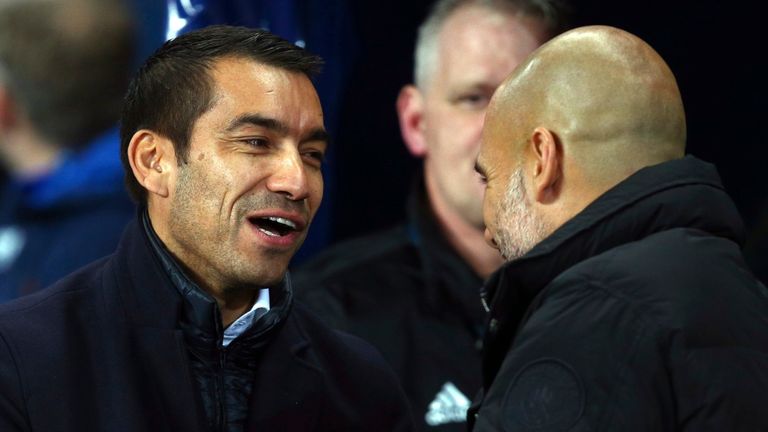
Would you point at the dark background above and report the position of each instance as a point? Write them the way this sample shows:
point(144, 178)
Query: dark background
point(716, 50)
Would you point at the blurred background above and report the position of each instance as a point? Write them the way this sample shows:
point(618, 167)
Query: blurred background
point(716, 50)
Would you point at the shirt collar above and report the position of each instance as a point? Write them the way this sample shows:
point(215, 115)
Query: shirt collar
point(260, 307)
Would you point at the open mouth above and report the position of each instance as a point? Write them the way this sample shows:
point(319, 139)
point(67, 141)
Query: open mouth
point(274, 226)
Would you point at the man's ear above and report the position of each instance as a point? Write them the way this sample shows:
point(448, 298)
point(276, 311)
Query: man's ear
point(410, 112)
point(152, 161)
point(548, 165)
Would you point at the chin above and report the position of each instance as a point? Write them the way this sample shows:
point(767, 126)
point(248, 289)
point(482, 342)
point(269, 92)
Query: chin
point(270, 276)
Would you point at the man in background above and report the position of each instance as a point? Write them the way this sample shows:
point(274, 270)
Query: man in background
point(625, 304)
point(414, 291)
point(64, 66)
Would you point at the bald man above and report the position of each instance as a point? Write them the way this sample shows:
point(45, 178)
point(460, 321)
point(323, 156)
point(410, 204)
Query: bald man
point(625, 304)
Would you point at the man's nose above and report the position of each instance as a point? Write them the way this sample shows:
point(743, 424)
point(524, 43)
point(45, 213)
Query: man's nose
point(290, 177)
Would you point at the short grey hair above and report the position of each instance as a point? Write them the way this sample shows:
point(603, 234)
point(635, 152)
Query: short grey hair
point(553, 14)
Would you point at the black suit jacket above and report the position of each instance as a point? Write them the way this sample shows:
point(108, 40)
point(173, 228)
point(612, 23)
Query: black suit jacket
point(102, 351)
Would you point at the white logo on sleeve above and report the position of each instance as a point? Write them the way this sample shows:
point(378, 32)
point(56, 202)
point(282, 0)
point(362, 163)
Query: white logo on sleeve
point(450, 406)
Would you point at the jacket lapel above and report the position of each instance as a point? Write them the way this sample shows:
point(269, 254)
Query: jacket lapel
point(169, 396)
point(151, 312)
point(288, 390)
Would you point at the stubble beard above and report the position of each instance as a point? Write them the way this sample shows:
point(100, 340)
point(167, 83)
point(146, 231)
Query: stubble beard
point(519, 227)
point(218, 246)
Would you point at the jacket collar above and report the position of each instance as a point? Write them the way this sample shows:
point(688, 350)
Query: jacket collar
point(154, 310)
point(679, 193)
point(156, 292)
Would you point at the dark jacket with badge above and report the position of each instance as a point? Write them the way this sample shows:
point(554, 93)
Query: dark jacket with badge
point(638, 314)
point(108, 349)
point(410, 295)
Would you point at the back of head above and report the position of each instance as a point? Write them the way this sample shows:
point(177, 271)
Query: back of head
point(608, 97)
point(553, 15)
point(174, 87)
point(66, 63)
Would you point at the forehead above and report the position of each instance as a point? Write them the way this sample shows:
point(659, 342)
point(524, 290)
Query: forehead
point(479, 44)
point(246, 86)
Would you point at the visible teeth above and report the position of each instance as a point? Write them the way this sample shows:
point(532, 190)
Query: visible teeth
point(282, 221)
point(269, 233)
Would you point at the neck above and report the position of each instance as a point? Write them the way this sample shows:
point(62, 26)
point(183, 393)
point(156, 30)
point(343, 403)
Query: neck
point(234, 306)
point(27, 155)
point(465, 238)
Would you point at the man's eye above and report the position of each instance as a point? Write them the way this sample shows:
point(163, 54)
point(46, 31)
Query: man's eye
point(316, 156)
point(257, 142)
point(473, 101)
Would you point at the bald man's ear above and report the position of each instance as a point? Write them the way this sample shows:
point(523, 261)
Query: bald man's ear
point(152, 161)
point(547, 165)
point(410, 112)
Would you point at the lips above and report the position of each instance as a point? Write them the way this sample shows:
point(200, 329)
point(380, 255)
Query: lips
point(274, 226)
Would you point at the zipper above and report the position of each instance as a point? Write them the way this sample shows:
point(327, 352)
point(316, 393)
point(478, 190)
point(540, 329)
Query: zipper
point(221, 414)
point(221, 417)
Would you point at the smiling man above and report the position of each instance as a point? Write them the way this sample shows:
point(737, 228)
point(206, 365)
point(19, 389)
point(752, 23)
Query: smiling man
point(191, 325)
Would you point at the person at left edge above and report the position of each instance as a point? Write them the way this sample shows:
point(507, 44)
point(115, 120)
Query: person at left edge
point(191, 325)
point(64, 67)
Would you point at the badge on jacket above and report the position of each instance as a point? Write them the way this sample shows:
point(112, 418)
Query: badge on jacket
point(546, 394)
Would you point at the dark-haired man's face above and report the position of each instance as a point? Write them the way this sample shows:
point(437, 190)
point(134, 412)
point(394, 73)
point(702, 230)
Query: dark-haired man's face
point(242, 203)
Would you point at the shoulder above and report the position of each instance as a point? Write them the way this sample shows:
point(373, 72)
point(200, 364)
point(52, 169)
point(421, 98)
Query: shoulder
point(381, 250)
point(48, 313)
point(671, 274)
point(670, 283)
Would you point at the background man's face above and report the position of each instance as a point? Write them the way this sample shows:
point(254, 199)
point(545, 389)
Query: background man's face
point(477, 50)
point(242, 204)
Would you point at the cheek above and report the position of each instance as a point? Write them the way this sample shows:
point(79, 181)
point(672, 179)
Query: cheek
point(316, 189)
point(469, 133)
point(488, 212)
point(454, 133)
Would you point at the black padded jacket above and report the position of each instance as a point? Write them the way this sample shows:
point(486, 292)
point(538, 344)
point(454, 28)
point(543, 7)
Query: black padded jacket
point(638, 314)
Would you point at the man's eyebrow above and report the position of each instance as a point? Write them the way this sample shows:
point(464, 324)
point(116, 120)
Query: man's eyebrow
point(257, 120)
point(318, 134)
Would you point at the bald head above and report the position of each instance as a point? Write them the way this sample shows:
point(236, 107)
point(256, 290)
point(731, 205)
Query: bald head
point(607, 96)
point(581, 114)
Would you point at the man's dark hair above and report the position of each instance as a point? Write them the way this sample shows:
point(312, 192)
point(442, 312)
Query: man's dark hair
point(174, 86)
point(66, 64)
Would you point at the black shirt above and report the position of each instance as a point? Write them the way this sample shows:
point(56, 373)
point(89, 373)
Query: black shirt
point(407, 292)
